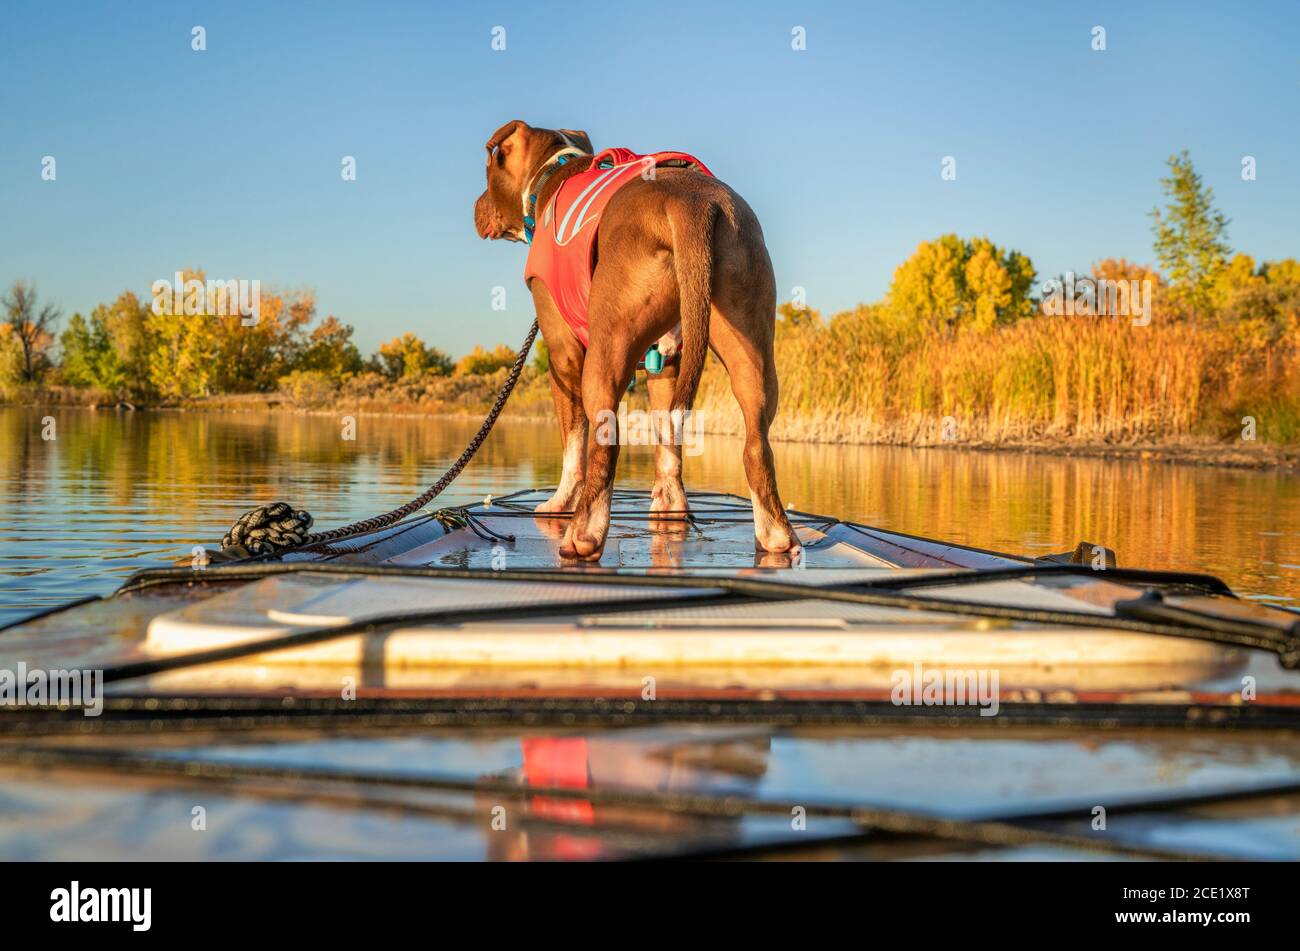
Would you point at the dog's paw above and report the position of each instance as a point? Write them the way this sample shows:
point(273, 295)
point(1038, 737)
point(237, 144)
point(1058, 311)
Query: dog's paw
point(580, 545)
point(567, 550)
point(777, 539)
point(587, 547)
point(554, 504)
point(779, 559)
point(669, 495)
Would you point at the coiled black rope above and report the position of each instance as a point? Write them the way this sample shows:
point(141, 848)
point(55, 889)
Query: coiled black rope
point(278, 527)
point(269, 528)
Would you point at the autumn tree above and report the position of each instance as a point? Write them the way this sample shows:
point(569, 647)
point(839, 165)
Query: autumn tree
point(32, 325)
point(251, 355)
point(1191, 235)
point(542, 358)
point(330, 350)
point(1261, 303)
point(790, 315)
point(1118, 280)
point(950, 283)
point(480, 361)
point(1122, 269)
point(222, 351)
point(407, 356)
point(182, 359)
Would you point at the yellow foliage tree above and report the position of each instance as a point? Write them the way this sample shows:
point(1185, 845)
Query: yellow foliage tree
point(1261, 305)
point(949, 283)
point(407, 356)
point(480, 361)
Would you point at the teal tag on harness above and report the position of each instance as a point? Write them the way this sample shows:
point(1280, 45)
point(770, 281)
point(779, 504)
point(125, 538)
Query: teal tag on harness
point(654, 360)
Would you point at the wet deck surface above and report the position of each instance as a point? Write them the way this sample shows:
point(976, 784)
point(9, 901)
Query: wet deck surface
point(718, 533)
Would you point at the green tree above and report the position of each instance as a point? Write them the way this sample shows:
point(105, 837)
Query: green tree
point(11, 359)
point(76, 358)
point(1191, 235)
point(88, 356)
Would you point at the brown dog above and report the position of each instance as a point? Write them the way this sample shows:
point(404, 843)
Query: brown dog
point(679, 247)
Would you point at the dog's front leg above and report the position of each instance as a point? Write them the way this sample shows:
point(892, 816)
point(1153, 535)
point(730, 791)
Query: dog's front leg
point(605, 376)
point(566, 358)
point(570, 487)
point(589, 526)
point(566, 384)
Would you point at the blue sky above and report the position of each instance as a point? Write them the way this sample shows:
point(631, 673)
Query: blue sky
point(229, 159)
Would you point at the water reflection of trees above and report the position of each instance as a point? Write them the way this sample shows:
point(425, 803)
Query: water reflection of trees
point(201, 456)
point(1239, 524)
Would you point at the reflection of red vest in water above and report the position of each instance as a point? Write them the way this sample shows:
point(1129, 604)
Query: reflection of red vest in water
point(564, 238)
point(562, 762)
point(559, 762)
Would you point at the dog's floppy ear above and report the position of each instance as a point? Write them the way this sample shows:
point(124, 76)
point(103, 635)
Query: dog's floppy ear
point(503, 133)
point(578, 138)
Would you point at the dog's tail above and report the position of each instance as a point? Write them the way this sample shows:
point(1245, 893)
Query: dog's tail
point(693, 260)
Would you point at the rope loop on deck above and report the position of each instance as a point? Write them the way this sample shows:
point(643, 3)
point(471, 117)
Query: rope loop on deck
point(273, 533)
point(268, 529)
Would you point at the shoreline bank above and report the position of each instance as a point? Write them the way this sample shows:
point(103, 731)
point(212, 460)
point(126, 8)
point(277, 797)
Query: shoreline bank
point(796, 430)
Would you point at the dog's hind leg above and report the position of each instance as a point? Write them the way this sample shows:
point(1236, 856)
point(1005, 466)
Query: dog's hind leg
point(668, 494)
point(751, 366)
point(605, 375)
point(753, 381)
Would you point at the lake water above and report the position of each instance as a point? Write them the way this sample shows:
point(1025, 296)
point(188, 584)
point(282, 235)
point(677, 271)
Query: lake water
point(115, 491)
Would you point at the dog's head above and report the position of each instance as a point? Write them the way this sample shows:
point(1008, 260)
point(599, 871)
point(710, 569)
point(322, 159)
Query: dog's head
point(515, 154)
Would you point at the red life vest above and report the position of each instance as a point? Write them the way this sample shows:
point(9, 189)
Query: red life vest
point(560, 254)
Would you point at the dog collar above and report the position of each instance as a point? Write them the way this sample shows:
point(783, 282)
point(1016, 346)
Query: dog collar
point(549, 168)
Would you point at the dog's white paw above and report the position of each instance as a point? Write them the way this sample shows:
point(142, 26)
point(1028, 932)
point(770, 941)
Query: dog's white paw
point(776, 537)
point(557, 503)
point(581, 545)
point(669, 495)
